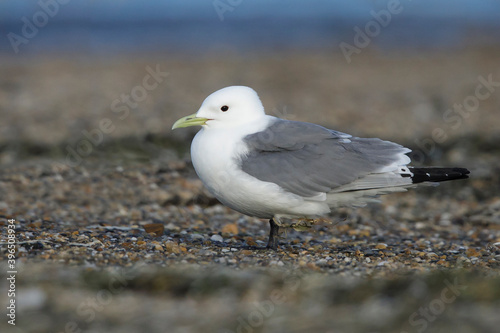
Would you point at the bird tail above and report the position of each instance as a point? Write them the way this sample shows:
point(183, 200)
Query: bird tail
point(367, 189)
point(421, 175)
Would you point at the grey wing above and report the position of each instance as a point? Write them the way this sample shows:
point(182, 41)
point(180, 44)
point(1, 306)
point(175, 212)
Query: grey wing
point(307, 159)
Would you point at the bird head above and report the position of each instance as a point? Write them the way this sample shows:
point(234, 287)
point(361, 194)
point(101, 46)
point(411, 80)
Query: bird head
point(227, 107)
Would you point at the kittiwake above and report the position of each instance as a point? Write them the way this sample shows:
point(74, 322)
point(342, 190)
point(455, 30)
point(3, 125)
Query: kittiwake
point(273, 168)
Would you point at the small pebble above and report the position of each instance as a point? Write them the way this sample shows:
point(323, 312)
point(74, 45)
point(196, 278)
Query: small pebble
point(217, 238)
point(197, 237)
point(321, 262)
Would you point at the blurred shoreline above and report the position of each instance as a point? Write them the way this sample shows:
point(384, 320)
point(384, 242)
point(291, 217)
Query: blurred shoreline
point(108, 28)
point(47, 103)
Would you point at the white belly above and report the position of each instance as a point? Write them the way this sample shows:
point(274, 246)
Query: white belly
point(215, 158)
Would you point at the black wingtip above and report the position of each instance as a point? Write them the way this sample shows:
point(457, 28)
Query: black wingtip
point(438, 174)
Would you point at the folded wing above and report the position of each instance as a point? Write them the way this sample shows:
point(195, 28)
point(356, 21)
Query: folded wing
point(308, 159)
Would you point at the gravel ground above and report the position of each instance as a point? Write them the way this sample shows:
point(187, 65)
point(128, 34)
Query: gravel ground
point(149, 242)
point(129, 240)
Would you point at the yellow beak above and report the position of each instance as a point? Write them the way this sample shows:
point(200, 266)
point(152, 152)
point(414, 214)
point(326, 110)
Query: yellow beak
point(190, 120)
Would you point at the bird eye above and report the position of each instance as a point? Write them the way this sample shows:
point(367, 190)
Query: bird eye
point(224, 108)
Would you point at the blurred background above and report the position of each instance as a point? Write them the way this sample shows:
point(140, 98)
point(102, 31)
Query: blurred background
point(63, 65)
point(90, 89)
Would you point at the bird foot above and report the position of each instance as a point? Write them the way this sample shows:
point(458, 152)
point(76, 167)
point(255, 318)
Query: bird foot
point(303, 224)
point(273, 236)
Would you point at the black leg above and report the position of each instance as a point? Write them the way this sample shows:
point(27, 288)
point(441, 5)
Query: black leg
point(273, 236)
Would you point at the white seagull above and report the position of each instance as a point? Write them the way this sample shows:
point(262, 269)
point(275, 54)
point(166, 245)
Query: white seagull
point(273, 168)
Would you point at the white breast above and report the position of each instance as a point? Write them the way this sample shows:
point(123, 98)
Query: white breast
point(215, 154)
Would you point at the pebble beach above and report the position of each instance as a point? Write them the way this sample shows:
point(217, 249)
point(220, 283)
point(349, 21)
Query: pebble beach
point(126, 238)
